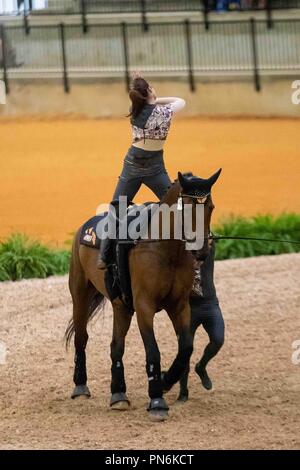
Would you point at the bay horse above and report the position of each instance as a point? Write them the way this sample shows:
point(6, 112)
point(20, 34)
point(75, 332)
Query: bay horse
point(162, 274)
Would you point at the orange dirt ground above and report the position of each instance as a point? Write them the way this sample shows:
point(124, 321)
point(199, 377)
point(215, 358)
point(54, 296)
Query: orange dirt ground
point(54, 173)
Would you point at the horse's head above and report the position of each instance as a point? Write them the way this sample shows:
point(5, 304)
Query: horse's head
point(198, 191)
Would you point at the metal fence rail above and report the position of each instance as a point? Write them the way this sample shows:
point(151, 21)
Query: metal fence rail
point(183, 49)
point(29, 8)
point(85, 8)
point(135, 6)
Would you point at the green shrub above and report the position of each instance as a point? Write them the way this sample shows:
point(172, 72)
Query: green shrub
point(21, 258)
point(284, 227)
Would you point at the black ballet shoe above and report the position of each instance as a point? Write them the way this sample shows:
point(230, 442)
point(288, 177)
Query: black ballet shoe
point(204, 377)
point(183, 396)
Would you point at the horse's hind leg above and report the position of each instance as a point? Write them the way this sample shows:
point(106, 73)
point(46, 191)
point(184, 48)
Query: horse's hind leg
point(80, 319)
point(121, 324)
point(79, 289)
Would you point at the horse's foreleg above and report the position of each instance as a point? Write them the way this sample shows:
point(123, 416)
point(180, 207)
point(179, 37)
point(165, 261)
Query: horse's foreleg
point(158, 408)
point(121, 324)
point(181, 323)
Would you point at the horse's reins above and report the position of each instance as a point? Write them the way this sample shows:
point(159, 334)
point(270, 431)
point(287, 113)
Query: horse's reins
point(211, 237)
point(225, 237)
point(202, 200)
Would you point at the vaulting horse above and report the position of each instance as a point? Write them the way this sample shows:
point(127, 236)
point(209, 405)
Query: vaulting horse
point(162, 274)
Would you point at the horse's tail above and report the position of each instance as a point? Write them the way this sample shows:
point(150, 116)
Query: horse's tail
point(95, 299)
point(96, 303)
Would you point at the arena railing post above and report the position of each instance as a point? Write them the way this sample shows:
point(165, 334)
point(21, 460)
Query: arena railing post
point(4, 57)
point(64, 58)
point(254, 54)
point(144, 15)
point(27, 9)
point(269, 14)
point(189, 51)
point(126, 54)
point(83, 17)
point(204, 4)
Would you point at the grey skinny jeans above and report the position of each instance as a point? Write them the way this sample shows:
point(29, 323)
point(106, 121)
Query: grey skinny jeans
point(142, 167)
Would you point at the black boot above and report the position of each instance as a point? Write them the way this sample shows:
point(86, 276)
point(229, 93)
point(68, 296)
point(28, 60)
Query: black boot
point(106, 247)
point(104, 252)
point(100, 263)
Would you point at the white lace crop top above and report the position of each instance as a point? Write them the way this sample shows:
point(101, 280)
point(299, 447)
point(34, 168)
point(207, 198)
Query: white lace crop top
point(155, 120)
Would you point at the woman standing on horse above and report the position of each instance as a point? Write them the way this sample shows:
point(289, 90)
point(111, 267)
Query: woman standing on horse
point(150, 119)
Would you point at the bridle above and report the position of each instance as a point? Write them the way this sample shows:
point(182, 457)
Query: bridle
point(199, 197)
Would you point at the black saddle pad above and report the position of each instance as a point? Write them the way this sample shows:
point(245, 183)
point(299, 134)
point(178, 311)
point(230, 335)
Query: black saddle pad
point(88, 236)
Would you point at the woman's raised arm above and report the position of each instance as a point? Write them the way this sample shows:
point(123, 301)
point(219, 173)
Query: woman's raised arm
point(177, 104)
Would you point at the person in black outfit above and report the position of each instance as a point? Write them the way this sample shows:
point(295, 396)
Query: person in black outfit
point(205, 311)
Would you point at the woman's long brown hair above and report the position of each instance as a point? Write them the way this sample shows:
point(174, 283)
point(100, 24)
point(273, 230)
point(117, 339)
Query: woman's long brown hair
point(138, 95)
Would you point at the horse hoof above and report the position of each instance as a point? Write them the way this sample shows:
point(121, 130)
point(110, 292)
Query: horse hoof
point(119, 402)
point(81, 391)
point(120, 406)
point(204, 377)
point(158, 415)
point(158, 409)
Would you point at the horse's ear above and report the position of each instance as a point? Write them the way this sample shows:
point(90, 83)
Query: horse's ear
point(214, 178)
point(181, 179)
